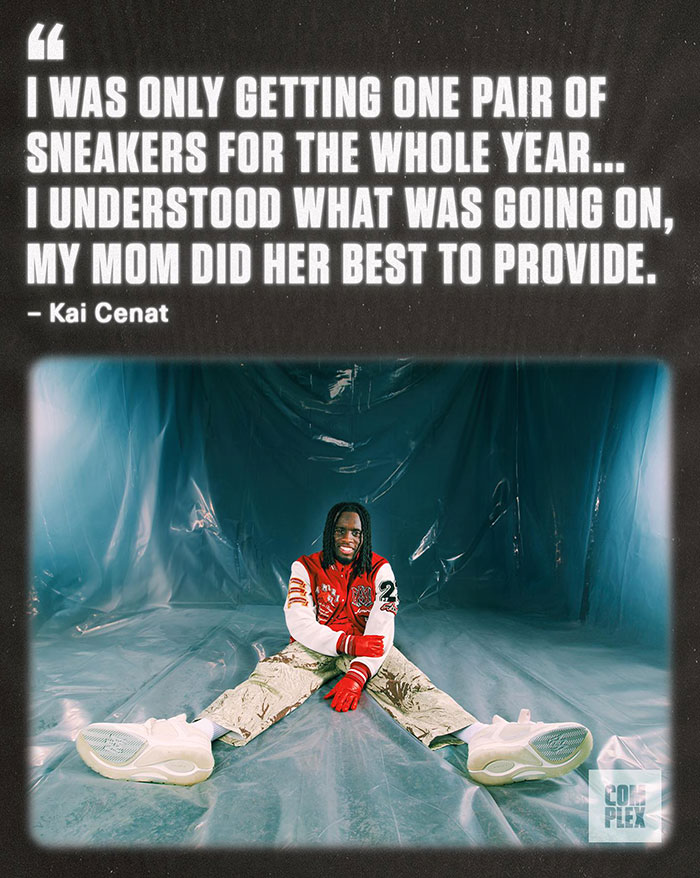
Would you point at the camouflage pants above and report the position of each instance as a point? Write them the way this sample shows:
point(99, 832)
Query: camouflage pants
point(280, 683)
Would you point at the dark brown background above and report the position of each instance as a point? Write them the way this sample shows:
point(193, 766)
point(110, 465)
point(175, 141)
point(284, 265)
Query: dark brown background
point(648, 51)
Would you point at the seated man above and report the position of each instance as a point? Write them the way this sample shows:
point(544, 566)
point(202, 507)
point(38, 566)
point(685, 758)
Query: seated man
point(340, 610)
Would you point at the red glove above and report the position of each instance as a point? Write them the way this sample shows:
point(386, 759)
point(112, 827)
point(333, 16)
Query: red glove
point(369, 645)
point(346, 692)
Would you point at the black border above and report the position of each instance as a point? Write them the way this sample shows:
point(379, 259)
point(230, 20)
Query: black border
point(650, 52)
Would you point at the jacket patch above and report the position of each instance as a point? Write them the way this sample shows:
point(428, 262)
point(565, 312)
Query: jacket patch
point(297, 593)
point(327, 599)
point(361, 595)
point(388, 597)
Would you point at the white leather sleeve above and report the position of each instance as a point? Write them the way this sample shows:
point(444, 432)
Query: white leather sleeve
point(381, 621)
point(300, 614)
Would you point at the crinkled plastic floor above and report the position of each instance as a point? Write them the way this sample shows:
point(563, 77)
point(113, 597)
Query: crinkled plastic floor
point(319, 777)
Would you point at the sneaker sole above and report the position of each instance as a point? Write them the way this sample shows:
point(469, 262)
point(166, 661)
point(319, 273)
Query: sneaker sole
point(550, 754)
point(113, 754)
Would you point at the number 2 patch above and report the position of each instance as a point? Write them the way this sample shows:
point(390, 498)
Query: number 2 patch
point(388, 596)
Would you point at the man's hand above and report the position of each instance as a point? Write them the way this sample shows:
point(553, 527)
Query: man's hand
point(368, 645)
point(346, 693)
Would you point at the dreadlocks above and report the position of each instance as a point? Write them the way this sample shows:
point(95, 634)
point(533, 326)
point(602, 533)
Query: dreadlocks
point(363, 561)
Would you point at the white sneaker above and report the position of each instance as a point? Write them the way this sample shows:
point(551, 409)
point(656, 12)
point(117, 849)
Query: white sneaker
point(159, 750)
point(506, 752)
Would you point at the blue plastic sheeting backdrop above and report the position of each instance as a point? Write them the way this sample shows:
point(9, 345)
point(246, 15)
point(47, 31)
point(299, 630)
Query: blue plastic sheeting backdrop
point(537, 488)
point(521, 504)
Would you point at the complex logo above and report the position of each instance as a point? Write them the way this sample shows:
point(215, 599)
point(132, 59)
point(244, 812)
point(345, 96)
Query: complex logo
point(624, 806)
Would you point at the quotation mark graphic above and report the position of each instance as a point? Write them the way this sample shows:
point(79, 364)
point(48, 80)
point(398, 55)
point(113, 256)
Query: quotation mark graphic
point(50, 49)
